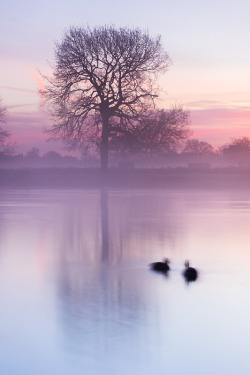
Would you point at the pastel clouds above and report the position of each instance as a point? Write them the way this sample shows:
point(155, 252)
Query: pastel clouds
point(219, 126)
point(27, 129)
point(207, 41)
point(17, 89)
point(216, 126)
point(218, 99)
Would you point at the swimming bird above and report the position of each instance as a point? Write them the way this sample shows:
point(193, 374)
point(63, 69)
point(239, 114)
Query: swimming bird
point(161, 266)
point(189, 273)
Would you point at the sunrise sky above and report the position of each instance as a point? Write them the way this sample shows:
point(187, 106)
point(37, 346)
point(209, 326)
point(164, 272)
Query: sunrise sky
point(208, 42)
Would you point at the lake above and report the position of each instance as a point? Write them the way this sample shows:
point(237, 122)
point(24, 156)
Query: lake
point(77, 296)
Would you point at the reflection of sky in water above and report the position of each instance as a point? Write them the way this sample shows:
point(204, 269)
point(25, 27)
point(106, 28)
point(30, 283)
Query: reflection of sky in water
point(76, 299)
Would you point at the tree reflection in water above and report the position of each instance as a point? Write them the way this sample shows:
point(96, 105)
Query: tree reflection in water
point(104, 224)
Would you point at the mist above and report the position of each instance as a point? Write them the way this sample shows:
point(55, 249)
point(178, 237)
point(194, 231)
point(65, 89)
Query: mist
point(75, 281)
point(132, 257)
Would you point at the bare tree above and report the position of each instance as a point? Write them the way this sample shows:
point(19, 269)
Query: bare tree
point(198, 148)
point(238, 150)
point(33, 154)
point(5, 146)
point(101, 75)
point(154, 132)
point(2, 111)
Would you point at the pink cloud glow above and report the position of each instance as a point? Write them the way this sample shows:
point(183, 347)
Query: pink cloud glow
point(39, 81)
point(216, 126)
point(40, 85)
point(27, 130)
point(219, 126)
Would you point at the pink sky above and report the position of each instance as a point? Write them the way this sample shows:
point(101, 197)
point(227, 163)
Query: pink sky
point(216, 126)
point(28, 131)
point(216, 116)
point(208, 43)
point(219, 126)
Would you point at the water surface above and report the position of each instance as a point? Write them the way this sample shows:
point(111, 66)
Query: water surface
point(77, 297)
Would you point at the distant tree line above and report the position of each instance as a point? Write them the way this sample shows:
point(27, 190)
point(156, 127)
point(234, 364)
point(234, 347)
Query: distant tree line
point(33, 158)
point(192, 153)
point(159, 138)
point(102, 99)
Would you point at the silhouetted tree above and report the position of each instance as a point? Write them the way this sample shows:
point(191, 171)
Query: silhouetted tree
point(238, 150)
point(103, 78)
point(2, 111)
point(4, 136)
point(33, 154)
point(52, 155)
point(153, 132)
point(6, 147)
point(198, 148)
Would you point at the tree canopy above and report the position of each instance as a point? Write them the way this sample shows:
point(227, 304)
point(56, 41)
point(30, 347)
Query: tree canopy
point(103, 78)
point(238, 150)
point(196, 147)
point(154, 132)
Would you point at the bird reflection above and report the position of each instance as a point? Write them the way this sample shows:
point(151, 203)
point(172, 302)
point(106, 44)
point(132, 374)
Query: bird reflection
point(162, 267)
point(189, 273)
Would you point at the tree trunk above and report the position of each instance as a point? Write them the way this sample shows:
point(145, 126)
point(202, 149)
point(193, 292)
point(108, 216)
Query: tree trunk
point(104, 144)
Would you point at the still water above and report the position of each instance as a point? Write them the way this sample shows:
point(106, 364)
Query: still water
point(77, 297)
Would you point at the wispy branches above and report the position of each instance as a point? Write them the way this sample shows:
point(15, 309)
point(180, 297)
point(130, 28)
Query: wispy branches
point(102, 73)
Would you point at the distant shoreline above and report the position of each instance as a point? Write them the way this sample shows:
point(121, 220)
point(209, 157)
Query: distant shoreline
point(125, 178)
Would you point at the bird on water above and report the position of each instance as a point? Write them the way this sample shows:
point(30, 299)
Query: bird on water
point(189, 273)
point(161, 266)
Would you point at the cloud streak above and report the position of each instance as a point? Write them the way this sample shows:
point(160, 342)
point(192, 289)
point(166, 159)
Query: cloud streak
point(220, 125)
point(216, 126)
point(220, 117)
point(17, 89)
point(27, 131)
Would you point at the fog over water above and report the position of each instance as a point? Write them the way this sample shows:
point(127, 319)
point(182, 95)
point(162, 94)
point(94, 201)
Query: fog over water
point(77, 295)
